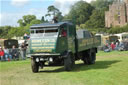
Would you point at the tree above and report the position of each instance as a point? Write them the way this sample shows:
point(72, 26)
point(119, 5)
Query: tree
point(21, 23)
point(97, 20)
point(35, 21)
point(42, 19)
point(4, 31)
point(100, 4)
point(26, 19)
point(53, 11)
point(80, 11)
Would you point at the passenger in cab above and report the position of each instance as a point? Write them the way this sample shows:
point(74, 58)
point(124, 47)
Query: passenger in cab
point(107, 48)
point(64, 33)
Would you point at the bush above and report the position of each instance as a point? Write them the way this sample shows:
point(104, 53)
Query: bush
point(116, 30)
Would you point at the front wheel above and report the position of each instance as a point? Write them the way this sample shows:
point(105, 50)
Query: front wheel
point(35, 66)
point(69, 62)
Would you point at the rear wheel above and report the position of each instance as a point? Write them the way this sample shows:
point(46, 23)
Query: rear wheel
point(69, 62)
point(34, 65)
point(89, 57)
point(93, 55)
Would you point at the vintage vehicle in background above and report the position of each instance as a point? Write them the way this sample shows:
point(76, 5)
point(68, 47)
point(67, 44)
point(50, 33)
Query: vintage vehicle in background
point(60, 44)
point(122, 36)
point(11, 42)
point(8, 43)
point(107, 39)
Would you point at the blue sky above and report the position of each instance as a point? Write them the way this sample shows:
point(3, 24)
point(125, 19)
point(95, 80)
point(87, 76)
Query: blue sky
point(12, 10)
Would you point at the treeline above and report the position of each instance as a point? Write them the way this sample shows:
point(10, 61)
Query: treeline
point(24, 25)
point(85, 15)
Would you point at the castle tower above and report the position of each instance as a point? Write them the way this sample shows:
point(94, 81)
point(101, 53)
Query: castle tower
point(126, 1)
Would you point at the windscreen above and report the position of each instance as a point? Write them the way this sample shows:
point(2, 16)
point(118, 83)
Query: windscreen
point(44, 32)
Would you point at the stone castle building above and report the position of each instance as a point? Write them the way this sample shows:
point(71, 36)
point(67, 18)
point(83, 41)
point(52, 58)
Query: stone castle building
point(117, 14)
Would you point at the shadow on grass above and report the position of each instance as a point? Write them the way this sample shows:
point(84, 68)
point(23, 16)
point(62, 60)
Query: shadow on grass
point(83, 67)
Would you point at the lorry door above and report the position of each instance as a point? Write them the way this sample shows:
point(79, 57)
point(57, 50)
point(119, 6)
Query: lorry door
point(71, 38)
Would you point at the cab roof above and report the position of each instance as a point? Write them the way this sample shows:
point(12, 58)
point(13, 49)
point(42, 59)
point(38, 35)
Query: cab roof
point(50, 24)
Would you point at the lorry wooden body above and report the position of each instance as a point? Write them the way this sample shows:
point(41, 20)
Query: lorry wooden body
point(60, 44)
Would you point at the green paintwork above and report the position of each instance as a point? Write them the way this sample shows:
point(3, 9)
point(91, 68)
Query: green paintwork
point(87, 43)
point(42, 45)
point(60, 44)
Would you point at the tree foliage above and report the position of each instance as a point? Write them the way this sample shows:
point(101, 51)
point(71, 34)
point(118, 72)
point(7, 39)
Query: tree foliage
point(89, 16)
point(54, 12)
point(118, 29)
point(101, 4)
point(97, 20)
point(26, 19)
point(80, 11)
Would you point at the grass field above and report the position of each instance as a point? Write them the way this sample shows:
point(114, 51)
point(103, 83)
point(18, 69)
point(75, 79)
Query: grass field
point(110, 69)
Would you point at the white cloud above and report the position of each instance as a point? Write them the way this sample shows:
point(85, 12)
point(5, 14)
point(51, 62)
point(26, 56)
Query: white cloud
point(0, 18)
point(64, 5)
point(12, 18)
point(19, 3)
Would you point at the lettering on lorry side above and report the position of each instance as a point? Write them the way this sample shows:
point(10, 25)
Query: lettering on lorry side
point(86, 42)
point(90, 41)
point(36, 44)
point(36, 41)
point(43, 40)
point(97, 40)
point(41, 47)
point(47, 50)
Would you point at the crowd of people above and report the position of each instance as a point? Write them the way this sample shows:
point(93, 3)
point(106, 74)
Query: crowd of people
point(117, 45)
point(13, 54)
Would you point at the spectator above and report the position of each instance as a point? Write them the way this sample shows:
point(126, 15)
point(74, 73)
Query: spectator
point(121, 46)
point(6, 54)
point(118, 42)
point(15, 54)
point(1, 54)
point(107, 48)
point(125, 44)
point(23, 51)
point(117, 46)
point(112, 45)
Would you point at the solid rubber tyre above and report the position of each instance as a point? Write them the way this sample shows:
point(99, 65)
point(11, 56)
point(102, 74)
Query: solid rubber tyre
point(89, 58)
point(34, 66)
point(69, 62)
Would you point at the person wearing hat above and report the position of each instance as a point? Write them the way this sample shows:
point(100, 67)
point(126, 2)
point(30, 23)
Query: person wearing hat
point(1, 54)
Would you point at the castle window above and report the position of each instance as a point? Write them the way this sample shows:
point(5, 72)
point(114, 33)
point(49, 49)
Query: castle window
point(119, 19)
point(118, 13)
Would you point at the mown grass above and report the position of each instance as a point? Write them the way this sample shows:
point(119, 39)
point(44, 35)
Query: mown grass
point(110, 69)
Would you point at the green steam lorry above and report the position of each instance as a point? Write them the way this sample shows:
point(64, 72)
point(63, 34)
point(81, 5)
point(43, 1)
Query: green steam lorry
point(60, 44)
